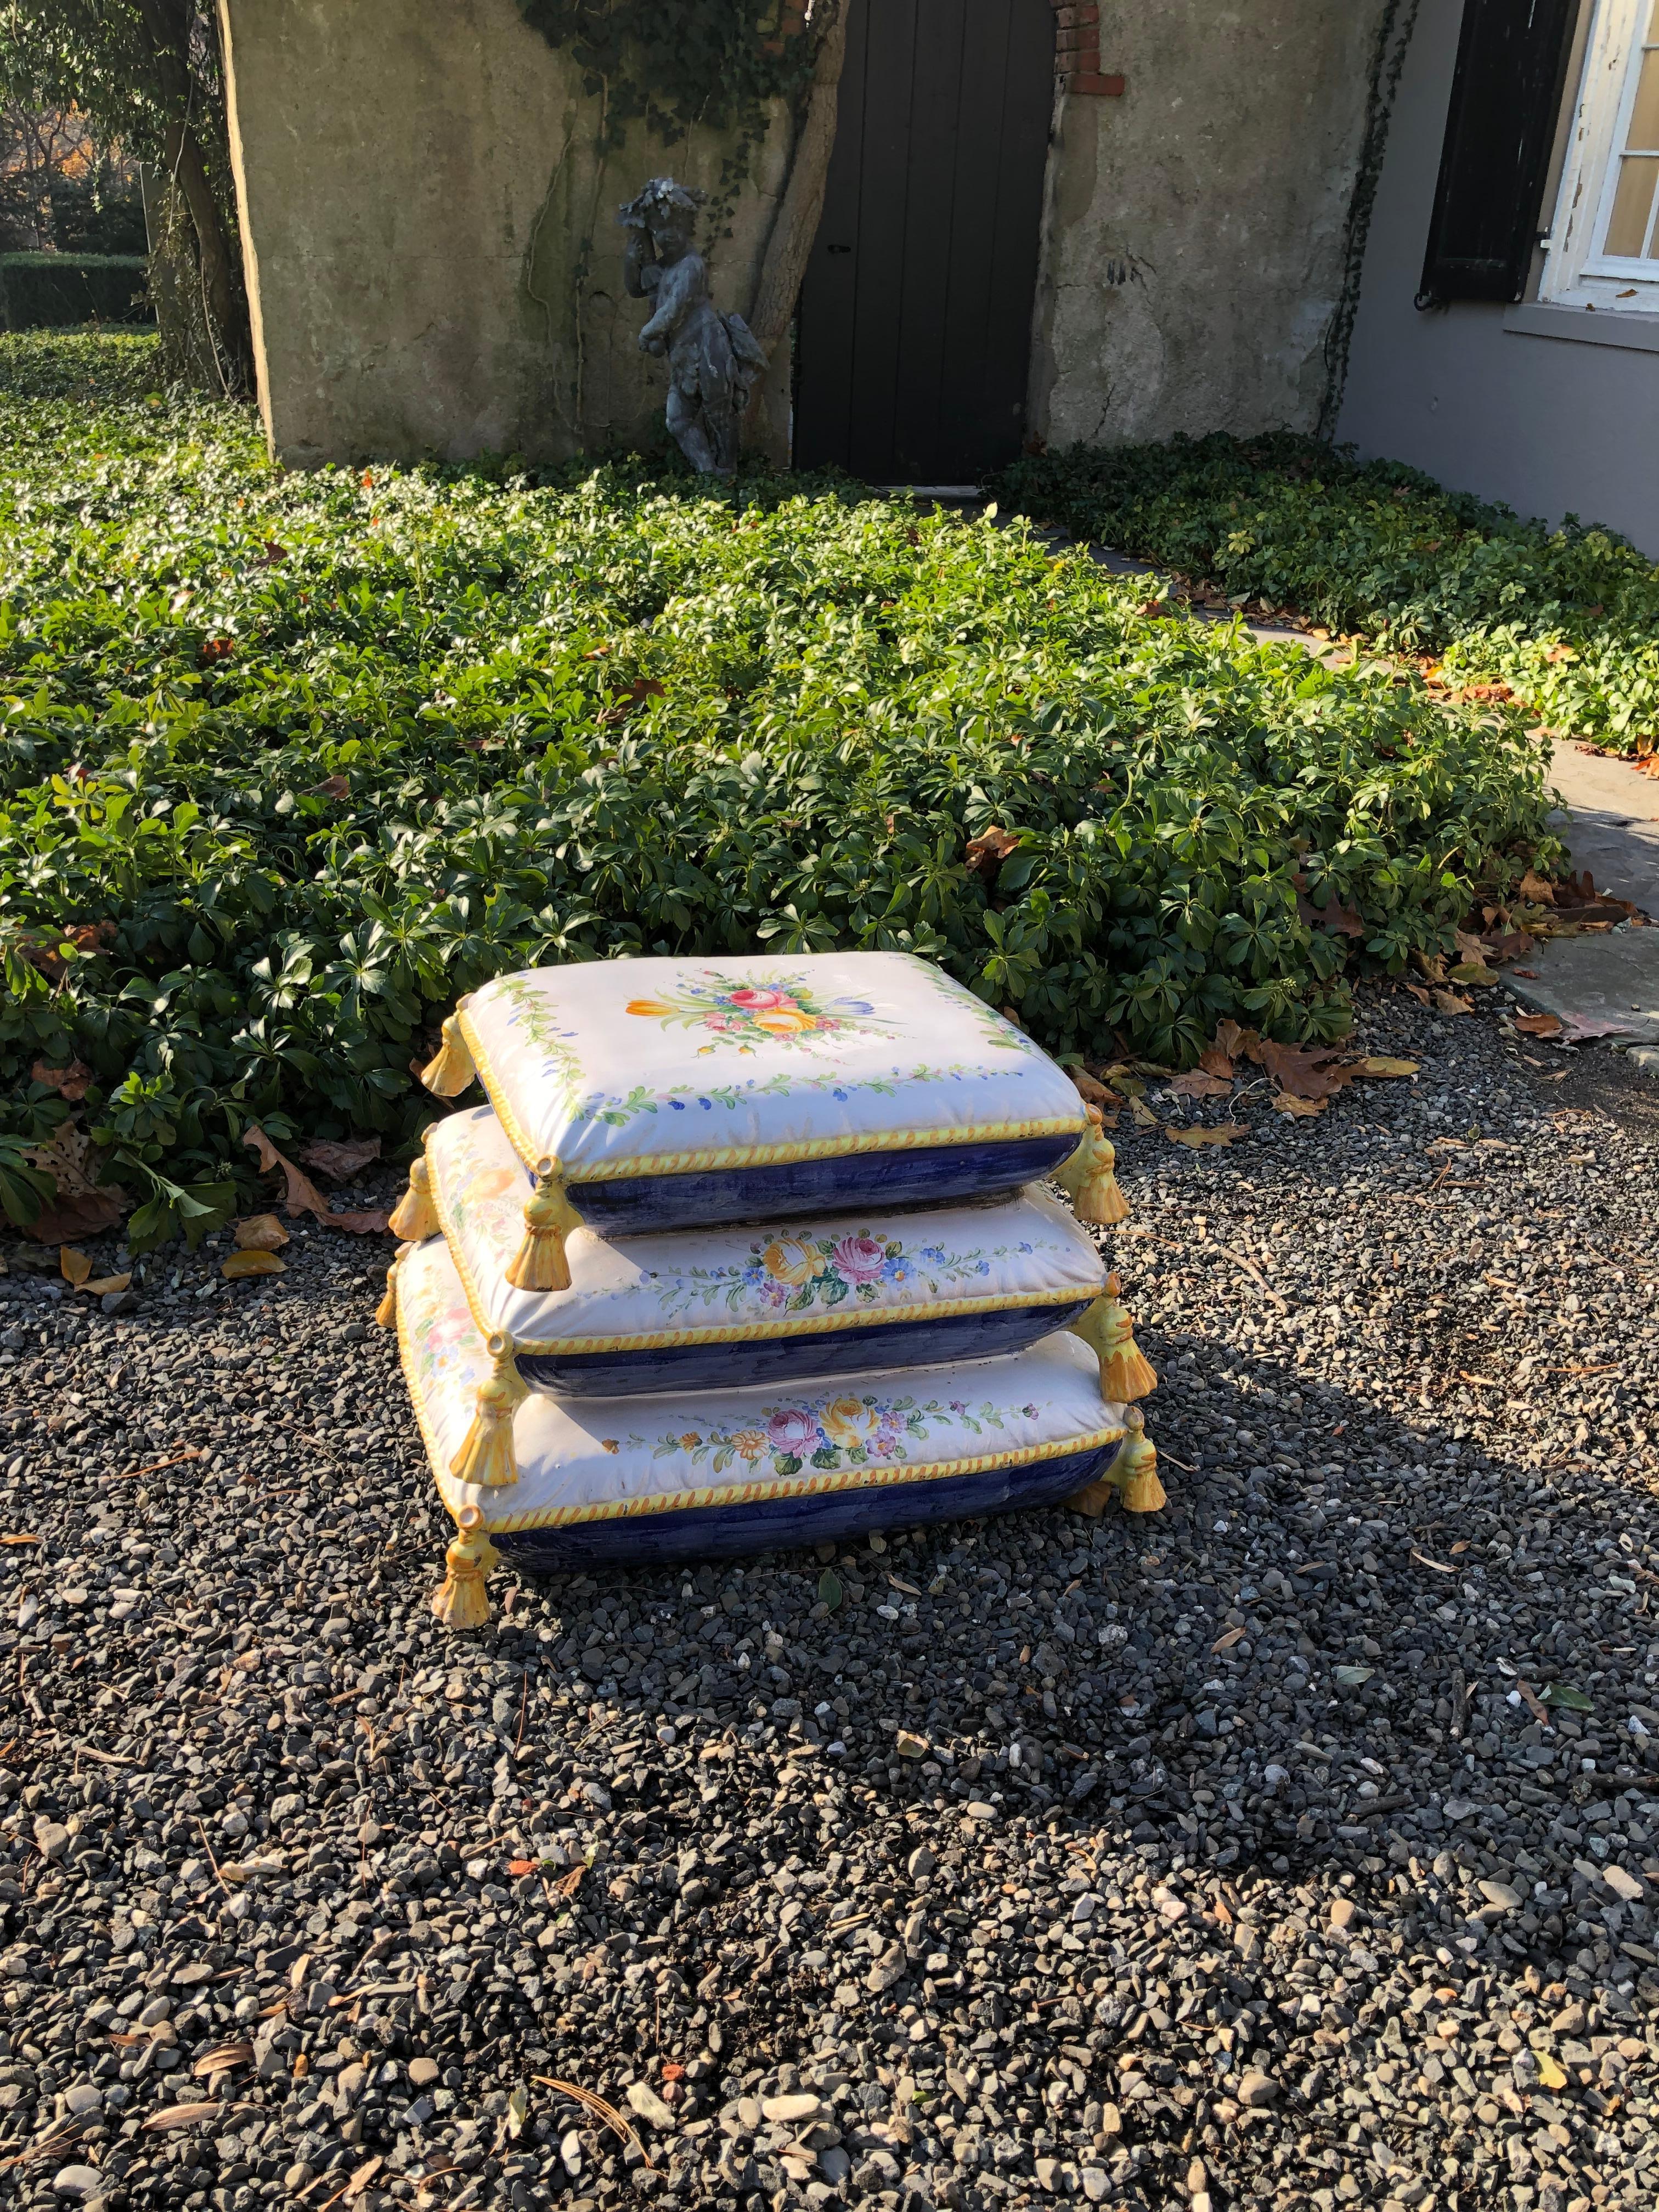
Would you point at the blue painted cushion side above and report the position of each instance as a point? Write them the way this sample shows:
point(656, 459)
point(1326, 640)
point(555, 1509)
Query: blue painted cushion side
point(708, 1532)
point(930, 1173)
point(785, 1359)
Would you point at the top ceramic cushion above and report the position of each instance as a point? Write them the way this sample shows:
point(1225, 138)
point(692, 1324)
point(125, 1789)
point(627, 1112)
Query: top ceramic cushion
point(670, 1093)
point(703, 1308)
point(688, 1471)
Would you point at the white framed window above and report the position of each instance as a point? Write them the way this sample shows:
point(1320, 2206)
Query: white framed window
point(1603, 247)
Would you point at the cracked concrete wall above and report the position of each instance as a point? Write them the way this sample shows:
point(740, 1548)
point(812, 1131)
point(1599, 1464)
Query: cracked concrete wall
point(416, 185)
point(1194, 248)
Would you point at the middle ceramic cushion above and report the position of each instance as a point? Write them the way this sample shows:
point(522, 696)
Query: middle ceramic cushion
point(692, 1308)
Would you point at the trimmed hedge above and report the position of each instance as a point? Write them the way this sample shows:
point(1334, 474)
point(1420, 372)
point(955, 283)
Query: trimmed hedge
point(54, 291)
point(1567, 618)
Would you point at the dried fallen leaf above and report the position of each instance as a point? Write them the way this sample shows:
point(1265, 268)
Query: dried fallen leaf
point(1549, 2072)
point(370, 1222)
point(74, 1267)
point(23, 1537)
point(1197, 1084)
point(241, 1265)
point(260, 1232)
point(82, 1206)
point(107, 1285)
point(184, 2116)
point(1140, 1112)
point(1471, 972)
point(987, 852)
point(1090, 1093)
point(1226, 1642)
point(1533, 1703)
point(1224, 1132)
point(1447, 1002)
point(302, 1194)
point(69, 1082)
point(1285, 1102)
point(1230, 1041)
point(340, 1159)
point(221, 2058)
point(1335, 915)
point(1538, 1025)
point(1305, 1073)
point(1535, 889)
point(1382, 1067)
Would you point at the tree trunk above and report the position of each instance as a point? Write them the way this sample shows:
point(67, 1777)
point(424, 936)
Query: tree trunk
point(796, 223)
point(187, 171)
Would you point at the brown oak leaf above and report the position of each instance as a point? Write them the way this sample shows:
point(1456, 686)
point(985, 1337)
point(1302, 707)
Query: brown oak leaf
point(340, 1159)
point(1304, 1073)
point(69, 1082)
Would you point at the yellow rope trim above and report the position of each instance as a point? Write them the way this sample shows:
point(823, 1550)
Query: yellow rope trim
point(742, 1333)
point(856, 1478)
point(887, 1476)
point(752, 1155)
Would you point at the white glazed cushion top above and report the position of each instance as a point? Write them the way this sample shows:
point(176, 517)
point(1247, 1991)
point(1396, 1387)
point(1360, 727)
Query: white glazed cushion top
point(618, 1067)
point(709, 1285)
point(599, 1458)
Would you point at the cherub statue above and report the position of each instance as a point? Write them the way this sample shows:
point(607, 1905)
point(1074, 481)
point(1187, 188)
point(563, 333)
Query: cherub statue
point(714, 362)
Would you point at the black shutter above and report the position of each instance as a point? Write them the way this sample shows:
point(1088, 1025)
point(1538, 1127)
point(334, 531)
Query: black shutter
point(1505, 96)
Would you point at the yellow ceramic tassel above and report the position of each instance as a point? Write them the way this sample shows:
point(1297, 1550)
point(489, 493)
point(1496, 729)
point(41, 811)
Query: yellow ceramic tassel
point(385, 1314)
point(415, 1218)
point(539, 1263)
point(486, 1453)
point(1094, 1192)
point(1133, 1472)
point(451, 1070)
point(461, 1600)
point(1125, 1372)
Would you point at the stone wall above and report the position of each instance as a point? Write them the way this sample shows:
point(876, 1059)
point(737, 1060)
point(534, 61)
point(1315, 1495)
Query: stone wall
point(416, 183)
point(1194, 242)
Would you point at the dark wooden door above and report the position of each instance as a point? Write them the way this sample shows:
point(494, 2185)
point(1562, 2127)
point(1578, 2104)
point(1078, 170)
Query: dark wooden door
point(916, 314)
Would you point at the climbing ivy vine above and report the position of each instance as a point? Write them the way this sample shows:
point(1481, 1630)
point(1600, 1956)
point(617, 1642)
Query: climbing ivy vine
point(677, 63)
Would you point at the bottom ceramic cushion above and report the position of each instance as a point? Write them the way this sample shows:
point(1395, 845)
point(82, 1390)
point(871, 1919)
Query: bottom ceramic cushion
point(690, 1473)
point(697, 1309)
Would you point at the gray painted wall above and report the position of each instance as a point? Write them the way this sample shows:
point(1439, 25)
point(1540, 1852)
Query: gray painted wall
point(1551, 425)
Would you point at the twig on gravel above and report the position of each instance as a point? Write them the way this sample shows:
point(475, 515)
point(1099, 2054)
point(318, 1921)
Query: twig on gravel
point(590, 2102)
point(131, 1473)
point(1256, 1277)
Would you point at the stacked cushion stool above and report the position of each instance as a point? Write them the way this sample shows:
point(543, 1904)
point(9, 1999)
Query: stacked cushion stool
point(743, 1253)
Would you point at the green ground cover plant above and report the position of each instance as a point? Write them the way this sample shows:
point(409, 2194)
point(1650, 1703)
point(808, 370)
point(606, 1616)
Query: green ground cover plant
point(1567, 618)
point(291, 761)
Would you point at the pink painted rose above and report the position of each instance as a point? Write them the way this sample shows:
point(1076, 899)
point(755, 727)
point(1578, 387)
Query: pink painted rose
point(794, 1433)
point(862, 1259)
point(758, 1001)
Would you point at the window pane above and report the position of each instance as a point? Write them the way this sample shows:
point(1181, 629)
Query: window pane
point(1627, 228)
point(1644, 113)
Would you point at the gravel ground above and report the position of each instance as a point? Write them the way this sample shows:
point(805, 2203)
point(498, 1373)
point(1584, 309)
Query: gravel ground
point(1295, 1848)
